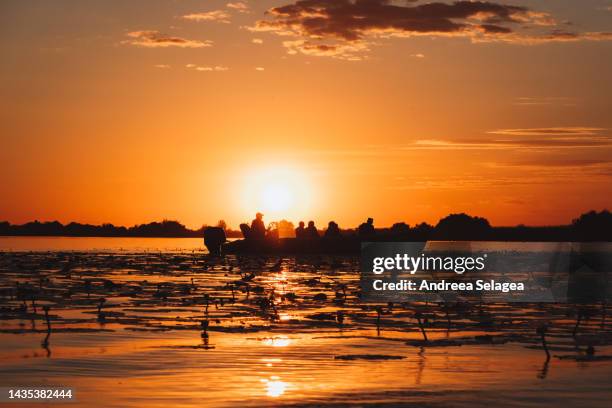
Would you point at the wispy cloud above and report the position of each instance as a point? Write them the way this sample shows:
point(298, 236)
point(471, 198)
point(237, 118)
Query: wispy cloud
point(337, 28)
point(544, 100)
point(155, 39)
point(162, 66)
point(351, 51)
point(219, 16)
point(540, 144)
point(239, 6)
point(554, 36)
point(562, 162)
point(551, 131)
point(216, 68)
point(534, 139)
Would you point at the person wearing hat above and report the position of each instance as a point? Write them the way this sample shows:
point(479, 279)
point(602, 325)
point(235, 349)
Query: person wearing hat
point(258, 229)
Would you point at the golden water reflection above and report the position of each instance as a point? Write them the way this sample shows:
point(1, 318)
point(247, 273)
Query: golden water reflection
point(274, 386)
point(151, 346)
point(279, 341)
point(269, 361)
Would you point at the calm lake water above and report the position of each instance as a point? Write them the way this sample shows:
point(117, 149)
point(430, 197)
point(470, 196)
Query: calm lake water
point(100, 244)
point(157, 322)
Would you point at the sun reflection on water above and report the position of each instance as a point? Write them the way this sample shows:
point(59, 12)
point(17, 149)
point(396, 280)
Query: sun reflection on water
point(270, 361)
point(280, 341)
point(280, 281)
point(274, 386)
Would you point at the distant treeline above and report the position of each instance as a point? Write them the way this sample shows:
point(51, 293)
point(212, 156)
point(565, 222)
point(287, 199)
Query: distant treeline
point(590, 226)
point(164, 229)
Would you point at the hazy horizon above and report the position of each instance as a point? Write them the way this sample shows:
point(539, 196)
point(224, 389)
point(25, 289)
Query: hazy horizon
point(236, 228)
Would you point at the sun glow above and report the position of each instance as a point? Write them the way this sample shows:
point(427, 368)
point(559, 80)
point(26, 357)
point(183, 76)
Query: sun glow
point(282, 192)
point(276, 197)
point(275, 387)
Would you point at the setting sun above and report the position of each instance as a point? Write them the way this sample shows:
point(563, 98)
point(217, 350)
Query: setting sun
point(280, 192)
point(276, 197)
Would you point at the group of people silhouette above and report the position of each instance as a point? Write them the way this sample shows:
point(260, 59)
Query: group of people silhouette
point(257, 231)
point(306, 233)
point(589, 227)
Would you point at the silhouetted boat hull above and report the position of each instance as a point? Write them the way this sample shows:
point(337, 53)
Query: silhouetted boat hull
point(345, 245)
point(214, 237)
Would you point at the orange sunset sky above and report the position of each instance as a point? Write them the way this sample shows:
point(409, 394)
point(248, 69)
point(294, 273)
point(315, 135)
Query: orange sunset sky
point(133, 111)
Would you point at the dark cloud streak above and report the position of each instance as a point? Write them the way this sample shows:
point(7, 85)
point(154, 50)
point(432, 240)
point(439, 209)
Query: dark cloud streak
point(330, 25)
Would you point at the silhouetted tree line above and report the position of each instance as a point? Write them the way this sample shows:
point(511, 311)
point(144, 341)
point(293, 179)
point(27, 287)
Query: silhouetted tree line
point(166, 228)
point(590, 226)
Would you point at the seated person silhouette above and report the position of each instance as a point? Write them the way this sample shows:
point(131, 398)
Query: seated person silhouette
point(214, 237)
point(300, 231)
point(272, 233)
point(332, 230)
point(246, 231)
point(258, 229)
point(366, 229)
point(311, 231)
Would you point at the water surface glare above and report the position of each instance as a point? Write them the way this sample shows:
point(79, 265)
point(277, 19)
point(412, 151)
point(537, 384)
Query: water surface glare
point(179, 328)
